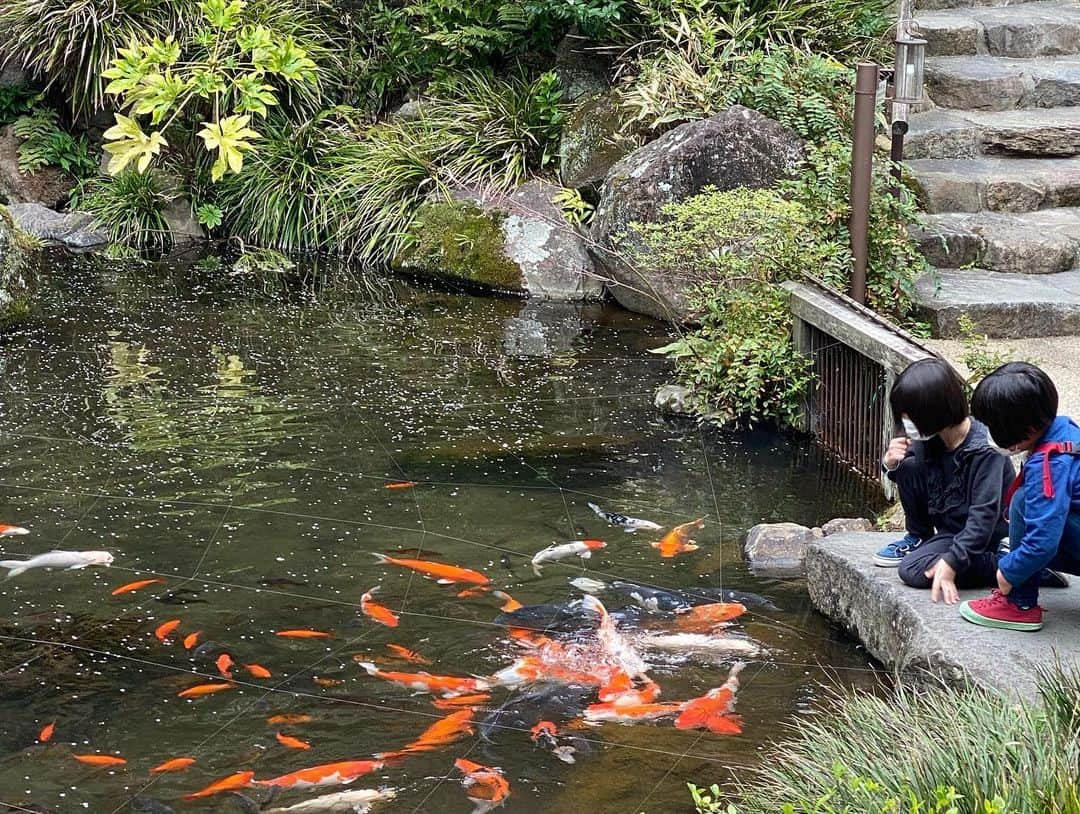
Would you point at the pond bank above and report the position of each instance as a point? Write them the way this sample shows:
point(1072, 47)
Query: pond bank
point(927, 642)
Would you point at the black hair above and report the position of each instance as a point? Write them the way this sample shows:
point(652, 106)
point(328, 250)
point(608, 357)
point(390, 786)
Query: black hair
point(931, 394)
point(1015, 401)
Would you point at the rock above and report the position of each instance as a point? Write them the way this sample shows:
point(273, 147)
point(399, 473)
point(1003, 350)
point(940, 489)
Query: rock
point(735, 148)
point(16, 270)
point(183, 225)
point(50, 186)
point(76, 230)
point(672, 399)
point(840, 524)
point(893, 519)
point(408, 111)
point(596, 135)
point(582, 68)
point(777, 546)
point(542, 329)
point(12, 74)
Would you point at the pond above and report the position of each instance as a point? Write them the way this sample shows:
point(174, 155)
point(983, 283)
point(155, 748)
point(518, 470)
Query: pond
point(238, 448)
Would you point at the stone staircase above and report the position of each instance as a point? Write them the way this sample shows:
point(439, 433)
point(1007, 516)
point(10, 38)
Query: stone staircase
point(998, 166)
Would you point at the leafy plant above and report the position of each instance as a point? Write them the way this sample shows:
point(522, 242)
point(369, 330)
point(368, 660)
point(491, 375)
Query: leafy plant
point(575, 208)
point(16, 101)
point(210, 215)
point(44, 144)
point(130, 205)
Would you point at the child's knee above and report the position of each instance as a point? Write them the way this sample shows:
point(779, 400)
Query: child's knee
point(912, 572)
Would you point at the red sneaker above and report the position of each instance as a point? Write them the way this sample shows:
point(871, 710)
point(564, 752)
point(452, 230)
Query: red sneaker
point(997, 611)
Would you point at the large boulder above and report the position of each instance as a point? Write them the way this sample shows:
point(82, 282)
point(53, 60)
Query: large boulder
point(582, 68)
point(597, 133)
point(76, 230)
point(778, 547)
point(16, 270)
point(50, 186)
point(737, 147)
point(520, 243)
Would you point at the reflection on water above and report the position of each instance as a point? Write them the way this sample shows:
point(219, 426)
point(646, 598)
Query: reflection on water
point(239, 448)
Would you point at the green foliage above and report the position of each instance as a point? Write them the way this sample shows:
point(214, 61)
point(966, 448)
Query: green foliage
point(131, 206)
point(210, 216)
point(977, 357)
point(574, 207)
point(707, 801)
point(16, 101)
point(44, 144)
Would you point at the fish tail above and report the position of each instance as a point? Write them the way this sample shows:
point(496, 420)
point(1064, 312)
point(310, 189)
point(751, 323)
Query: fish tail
point(380, 557)
point(15, 567)
point(595, 508)
point(536, 569)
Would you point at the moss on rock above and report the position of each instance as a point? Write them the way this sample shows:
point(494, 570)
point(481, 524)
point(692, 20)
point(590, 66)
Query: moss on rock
point(17, 250)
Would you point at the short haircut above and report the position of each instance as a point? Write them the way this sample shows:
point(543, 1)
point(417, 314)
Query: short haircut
point(931, 394)
point(1014, 402)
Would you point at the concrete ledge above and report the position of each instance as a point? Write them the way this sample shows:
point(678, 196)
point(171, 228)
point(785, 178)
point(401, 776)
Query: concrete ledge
point(931, 643)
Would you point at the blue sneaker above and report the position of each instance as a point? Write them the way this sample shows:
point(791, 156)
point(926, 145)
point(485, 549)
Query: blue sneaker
point(890, 555)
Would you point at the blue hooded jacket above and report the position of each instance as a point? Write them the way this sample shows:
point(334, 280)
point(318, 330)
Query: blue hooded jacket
point(1045, 517)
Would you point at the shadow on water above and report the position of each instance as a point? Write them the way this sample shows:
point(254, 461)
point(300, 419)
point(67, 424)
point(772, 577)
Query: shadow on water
point(236, 442)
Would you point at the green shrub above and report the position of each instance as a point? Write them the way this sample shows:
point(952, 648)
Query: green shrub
point(131, 206)
point(16, 101)
point(44, 144)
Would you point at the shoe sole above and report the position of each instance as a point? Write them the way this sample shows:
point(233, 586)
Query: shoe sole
point(886, 562)
point(986, 621)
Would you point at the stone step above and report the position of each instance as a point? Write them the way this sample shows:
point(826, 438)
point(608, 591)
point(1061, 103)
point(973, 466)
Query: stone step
point(1044, 242)
point(996, 184)
point(945, 133)
point(1003, 83)
point(1001, 305)
point(938, 5)
point(1049, 28)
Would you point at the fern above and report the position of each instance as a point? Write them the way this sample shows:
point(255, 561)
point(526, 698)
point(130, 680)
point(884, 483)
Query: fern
point(44, 144)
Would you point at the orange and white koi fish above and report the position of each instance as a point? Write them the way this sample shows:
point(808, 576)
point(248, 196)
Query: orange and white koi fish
point(441, 733)
point(302, 634)
point(12, 531)
point(410, 656)
point(620, 691)
point(484, 785)
point(291, 742)
point(613, 642)
point(100, 760)
point(441, 572)
point(677, 541)
point(703, 618)
point(531, 668)
point(379, 613)
point(258, 671)
point(134, 586)
point(445, 686)
point(192, 639)
point(714, 710)
point(46, 733)
point(234, 782)
point(509, 603)
point(163, 630)
point(629, 713)
point(581, 548)
point(328, 774)
point(177, 764)
point(473, 700)
point(289, 718)
point(204, 689)
point(405, 484)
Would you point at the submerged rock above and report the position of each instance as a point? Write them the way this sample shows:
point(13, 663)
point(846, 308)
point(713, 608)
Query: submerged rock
point(673, 399)
point(778, 546)
point(596, 135)
point(76, 230)
point(50, 186)
point(542, 329)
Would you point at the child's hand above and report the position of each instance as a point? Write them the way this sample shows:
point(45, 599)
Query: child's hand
point(896, 452)
point(944, 578)
point(1004, 586)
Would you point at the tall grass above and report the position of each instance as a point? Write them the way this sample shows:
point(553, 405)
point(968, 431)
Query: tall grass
point(130, 206)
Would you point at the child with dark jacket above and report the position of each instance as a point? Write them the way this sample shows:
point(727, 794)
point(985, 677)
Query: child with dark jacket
point(951, 483)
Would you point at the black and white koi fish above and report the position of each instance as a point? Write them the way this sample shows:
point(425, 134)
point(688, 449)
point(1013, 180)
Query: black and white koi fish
point(582, 548)
point(630, 524)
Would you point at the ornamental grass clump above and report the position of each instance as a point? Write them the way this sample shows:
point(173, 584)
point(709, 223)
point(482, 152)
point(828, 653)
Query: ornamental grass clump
point(130, 206)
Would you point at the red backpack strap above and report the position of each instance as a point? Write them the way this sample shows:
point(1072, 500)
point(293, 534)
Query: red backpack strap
point(1047, 449)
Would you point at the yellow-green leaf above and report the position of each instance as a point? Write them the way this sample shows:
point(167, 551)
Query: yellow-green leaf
point(127, 142)
point(230, 137)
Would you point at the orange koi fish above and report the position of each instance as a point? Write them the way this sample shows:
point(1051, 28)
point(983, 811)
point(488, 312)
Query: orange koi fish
point(177, 764)
point(703, 618)
point(204, 689)
point(544, 731)
point(328, 774)
point(445, 686)
point(444, 574)
point(484, 785)
point(162, 631)
point(509, 603)
point(192, 639)
point(134, 586)
point(327, 682)
point(677, 541)
point(12, 531)
point(234, 782)
point(471, 592)
point(379, 613)
point(100, 760)
point(410, 656)
point(405, 484)
point(224, 662)
point(620, 691)
point(714, 710)
point(258, 671)
point(441, 733)
point(46, 733)
point(289, 718)
point(473, 700)
point(302, 634)
point(291, 742)
point(629, 713)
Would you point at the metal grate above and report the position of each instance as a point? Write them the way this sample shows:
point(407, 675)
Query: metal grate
point(847, 409)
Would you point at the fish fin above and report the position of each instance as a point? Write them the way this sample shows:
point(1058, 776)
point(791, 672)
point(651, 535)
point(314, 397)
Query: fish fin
point(76, 566)
point(444, 582)
point(536, 569)
point(630, 531)
point(594, 507)
point(15, 568)
point(380, 557)
point(586, 554)
point(370, 668)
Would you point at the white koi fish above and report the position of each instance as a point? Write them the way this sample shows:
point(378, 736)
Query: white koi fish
point(343, 802)
point(699, 642)
point(582, 548)
point(629, 524)
point(613, 642)
point(68, 560)
point(589, 586)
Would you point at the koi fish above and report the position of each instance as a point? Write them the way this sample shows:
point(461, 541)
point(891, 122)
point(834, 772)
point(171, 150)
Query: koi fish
point(702, 618)
point(342, 802)
point(677, 541)
point(441, 733)
point(445, 686)
point(204, 689)
point(258, 671)
point(328, 774)
point(581, 548)
point(629, 713)
point(12, 531)
point(100, 760)
point(379, 613)
point(405, 484)
point(613, 641)
point(327, 682)
point(620, 691)
point(588, 586)
point(177, 764)
point(410, 656)
point(291, 742)
point(484, 785)
point(509, 603)
point(714, 710)
point(543, 735)
point(443, 573)
point(46, 733)
point(471, 592)
point(134, 586)
point(289, 718)
point(473, 700)
point(163, 630)
point(302, 634)
point(192, 639)
point(68, 560)
point(630, 524)
point(224, 662)
point(699, 642)
point(234, 782)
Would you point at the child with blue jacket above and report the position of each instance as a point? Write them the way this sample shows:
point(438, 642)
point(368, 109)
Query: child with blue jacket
point(1018, 403)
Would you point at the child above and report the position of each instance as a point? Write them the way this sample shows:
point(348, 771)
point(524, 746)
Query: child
point(951, 481)
point(1019, 404)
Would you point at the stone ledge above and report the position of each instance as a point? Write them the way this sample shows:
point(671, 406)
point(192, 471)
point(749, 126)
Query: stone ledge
point(931, 643)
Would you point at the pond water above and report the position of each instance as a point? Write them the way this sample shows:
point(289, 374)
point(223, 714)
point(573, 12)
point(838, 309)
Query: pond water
point(239, 447)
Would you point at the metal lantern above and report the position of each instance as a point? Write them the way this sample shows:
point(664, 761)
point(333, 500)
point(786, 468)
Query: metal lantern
point(908, 78)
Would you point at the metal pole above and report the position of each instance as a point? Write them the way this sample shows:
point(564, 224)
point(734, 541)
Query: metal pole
point(862, 157)
point(896, 154)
